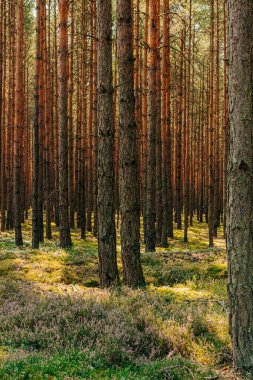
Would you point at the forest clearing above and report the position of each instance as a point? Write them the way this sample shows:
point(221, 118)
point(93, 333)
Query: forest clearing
point(126, 189)
point(55, 322)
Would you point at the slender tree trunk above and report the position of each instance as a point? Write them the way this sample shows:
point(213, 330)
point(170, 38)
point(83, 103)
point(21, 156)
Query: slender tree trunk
point(90, 129)
point(19, 115)
point(138, 92)
point(108, 271)
point(211, 135)
point(56, 122)
point(95, 123)
point(158, 177)
point(42, 86)
point(225, 116)
point(36, 155)
point(179, 138)
point(10, 117)
point(145, 119)
point(48, 128)
point(71, 122)
point(3, 79)
point(217, 128)
point(65, 238)
point(167, 197)
point(152, 118)
point(187, 157)
point(128, 154)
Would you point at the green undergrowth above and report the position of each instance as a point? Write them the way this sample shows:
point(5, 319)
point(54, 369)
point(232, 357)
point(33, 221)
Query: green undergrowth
point(55, 322)
point(74, 365)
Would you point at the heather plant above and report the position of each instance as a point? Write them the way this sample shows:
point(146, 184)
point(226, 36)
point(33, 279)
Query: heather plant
point(100, 329)
point(55, 323)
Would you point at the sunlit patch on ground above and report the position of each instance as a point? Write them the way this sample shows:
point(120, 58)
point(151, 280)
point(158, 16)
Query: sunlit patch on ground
point(56, 323)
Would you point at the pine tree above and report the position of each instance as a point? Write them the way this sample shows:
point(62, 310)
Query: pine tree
point(152, 119)
point(240, 182)
point(65, 238)
point(108, 271)
point(128, 154)
point(19, 121)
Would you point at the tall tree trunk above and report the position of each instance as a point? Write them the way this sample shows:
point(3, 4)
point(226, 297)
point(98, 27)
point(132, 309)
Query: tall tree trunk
point(56, 122)
point(179, 137)
point(108, 271)
point(152, 118)
point(240, 182)
point(128, 154)
point(36, 155)
point(217, 127)
point(145, 118)
point(211, 135)
point(65, 238)
point(48, 129)
point(10, 118)
point(71, 122)
point(167, 198)
point(90, 128)
point(158, 177)
point(42, 87)
point(95, 123)
point(187, 165)
point(19, 115)
point(3, 79)
point(225, 115)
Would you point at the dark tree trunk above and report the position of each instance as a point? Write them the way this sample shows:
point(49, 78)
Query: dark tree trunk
point(167, 196)
point(211, 216)
point(108, 271)
point(3, 127)
point(35, 196)
point(71, 124)
point(42, 88)
point(19, 118)
point(65, 238)
point(152, 118)
point(240, 182)
point(128, 154)
point(95, 125)
point(187, 142)
point(179, 138)
point(159, 213)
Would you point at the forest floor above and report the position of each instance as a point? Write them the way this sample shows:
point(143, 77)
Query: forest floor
point(55, 322)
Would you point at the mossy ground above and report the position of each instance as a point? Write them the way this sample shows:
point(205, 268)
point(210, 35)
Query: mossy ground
point(55, 322)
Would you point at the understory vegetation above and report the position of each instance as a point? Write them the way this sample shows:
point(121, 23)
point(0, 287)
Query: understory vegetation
point(55, 322)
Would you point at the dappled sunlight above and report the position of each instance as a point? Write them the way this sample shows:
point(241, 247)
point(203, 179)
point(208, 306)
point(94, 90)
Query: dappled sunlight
point(184, 304)
point(183, 293)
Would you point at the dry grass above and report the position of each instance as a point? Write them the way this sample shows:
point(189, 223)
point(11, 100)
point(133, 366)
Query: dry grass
point(55, 321)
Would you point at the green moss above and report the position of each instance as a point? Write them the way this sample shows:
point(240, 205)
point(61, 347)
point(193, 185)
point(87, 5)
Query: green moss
point(200, 327)
point(218, 271)
point(178, 275)
point(91, 283)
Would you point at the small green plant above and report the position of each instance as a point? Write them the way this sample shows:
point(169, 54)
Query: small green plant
point(200, 327)
point(177, 275)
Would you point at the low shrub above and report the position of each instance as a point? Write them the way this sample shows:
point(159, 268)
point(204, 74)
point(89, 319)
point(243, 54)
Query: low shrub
point(108, 333)
point(177, 275)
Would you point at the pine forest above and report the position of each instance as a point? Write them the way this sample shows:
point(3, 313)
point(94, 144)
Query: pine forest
point(126, 189)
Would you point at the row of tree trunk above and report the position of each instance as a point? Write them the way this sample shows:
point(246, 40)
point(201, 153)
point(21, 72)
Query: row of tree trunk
point(180, 130)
